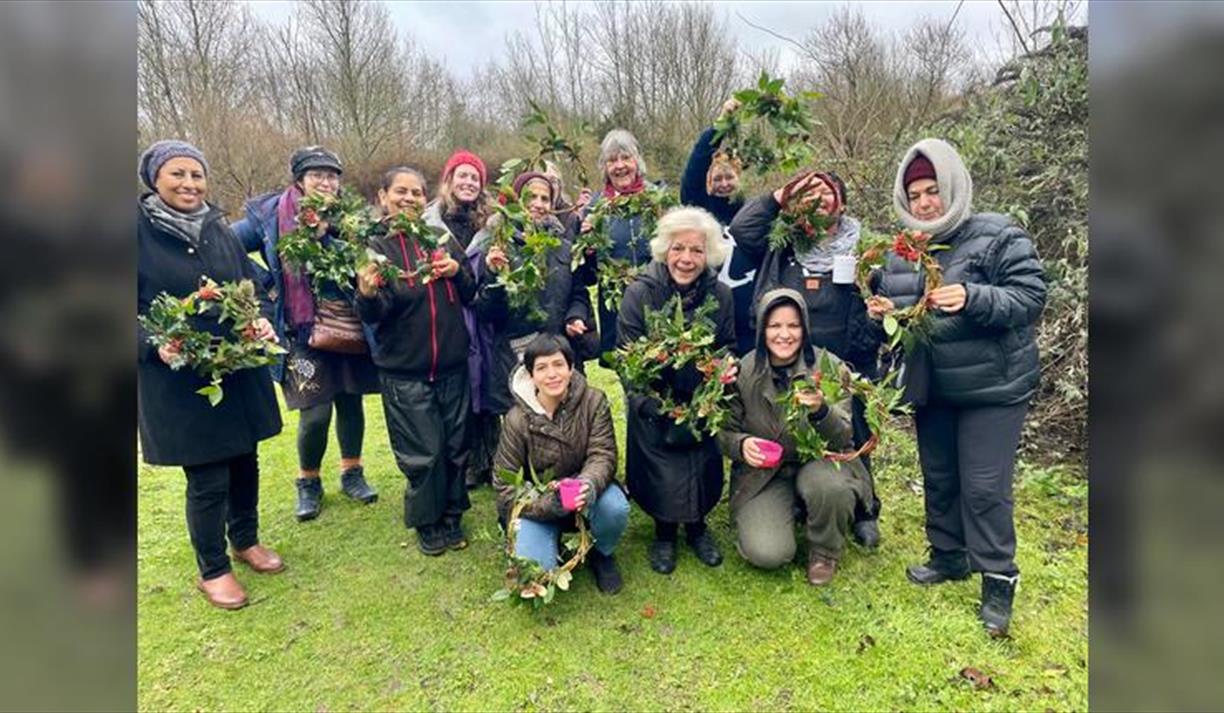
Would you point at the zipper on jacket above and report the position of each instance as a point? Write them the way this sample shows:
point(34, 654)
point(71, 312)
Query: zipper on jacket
point(433, 321)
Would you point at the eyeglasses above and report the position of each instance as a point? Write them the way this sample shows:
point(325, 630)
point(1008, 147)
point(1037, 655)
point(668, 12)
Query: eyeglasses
point(323, 176)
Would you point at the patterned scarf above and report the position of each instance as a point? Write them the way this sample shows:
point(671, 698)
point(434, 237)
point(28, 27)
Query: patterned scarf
point(841, 242)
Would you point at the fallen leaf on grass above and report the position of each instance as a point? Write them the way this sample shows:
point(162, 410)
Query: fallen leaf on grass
point(648, 612)
point(1081, 539)
point(1056, 671)
point(979, 680)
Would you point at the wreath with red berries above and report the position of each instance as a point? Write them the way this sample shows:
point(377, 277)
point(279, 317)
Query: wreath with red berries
point(672, 341)
point(915, 247)
point(169, 323)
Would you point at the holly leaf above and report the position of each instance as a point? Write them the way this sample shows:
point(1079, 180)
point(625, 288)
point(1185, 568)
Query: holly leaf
point(213, 392)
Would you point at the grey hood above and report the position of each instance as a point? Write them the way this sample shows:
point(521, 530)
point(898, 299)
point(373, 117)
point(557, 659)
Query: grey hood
point(955, 187)
point(769, 300)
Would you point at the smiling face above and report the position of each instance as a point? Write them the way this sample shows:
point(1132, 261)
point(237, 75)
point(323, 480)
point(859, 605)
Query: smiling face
point(551, 375)
point(320, 180)
point(686, 257)
point(621, 169)
point(405, 195)
point(783, 333)
point(181, 183)
point(465, 183)
point(925, 203)
point(724, 180)
point(538, 199)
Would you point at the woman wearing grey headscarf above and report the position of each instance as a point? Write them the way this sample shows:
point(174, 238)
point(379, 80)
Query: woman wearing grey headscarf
point(181, 238)
point(972, 378)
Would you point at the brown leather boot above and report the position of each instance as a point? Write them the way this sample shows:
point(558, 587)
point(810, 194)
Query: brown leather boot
point(820, 569)
point(261, 559)
point(224, 591)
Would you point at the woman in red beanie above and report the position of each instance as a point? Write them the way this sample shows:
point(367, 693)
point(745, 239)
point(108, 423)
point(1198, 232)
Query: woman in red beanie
point(462, 208)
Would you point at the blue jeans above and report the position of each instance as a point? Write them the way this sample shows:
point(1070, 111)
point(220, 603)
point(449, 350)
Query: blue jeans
point(608, 517)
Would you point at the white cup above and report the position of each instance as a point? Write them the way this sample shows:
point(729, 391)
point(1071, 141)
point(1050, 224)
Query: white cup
point(843, 269)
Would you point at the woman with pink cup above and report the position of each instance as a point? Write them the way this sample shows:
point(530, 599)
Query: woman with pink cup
point(767, 477)
point(559, 434)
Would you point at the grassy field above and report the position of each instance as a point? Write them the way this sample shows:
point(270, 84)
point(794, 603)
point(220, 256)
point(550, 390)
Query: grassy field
point(362, 621)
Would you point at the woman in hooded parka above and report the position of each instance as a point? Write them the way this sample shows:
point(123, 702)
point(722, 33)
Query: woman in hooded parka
point(972, 378)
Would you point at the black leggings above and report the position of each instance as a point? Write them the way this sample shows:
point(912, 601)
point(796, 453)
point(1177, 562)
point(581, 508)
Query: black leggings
point(312, 430)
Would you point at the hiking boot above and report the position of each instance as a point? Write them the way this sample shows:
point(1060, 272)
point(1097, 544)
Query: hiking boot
point(310, 498)
point(705, 548)
point(354, 485)
point(941, 567)
point(431, 540)
point(607, 574)
point(820, 569)
point(867, 533)
point(998, 592)
point(662, 555)
point(452, 533)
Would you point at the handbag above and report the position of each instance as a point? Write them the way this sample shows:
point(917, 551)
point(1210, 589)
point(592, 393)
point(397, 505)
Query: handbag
point(337, 329)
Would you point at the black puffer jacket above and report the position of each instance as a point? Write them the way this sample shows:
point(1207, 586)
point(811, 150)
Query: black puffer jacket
point(986, 354)
point(836, 313)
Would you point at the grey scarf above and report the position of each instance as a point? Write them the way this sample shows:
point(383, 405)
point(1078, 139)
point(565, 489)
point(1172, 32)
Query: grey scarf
point(955, 188)
point(183, 225)
point(842, 242)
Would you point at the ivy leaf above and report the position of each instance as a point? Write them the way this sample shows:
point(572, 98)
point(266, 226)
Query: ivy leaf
point(500, 595)
point(890, 325)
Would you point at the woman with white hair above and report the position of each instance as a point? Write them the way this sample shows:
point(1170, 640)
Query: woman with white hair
point(620, 161)
point(673, 475)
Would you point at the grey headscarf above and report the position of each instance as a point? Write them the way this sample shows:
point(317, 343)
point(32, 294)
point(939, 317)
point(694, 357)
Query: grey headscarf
point(842, 242)
point(955, 188)
point(183, 225)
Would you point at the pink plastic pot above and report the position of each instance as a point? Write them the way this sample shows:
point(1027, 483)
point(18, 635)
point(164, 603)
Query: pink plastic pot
point(570, 488)
point(772, 452)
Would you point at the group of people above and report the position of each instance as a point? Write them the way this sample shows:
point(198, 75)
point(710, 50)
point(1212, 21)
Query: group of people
point(474, 387)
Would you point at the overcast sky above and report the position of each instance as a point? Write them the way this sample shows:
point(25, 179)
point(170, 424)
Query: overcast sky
point(467, 34)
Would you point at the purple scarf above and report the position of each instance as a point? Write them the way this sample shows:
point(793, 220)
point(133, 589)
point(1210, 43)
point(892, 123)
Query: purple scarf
point(299, 301)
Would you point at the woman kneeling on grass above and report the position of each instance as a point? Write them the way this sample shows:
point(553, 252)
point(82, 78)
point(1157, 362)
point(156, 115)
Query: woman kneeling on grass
point(763, 495)
point(561, 426)
point(421, 352)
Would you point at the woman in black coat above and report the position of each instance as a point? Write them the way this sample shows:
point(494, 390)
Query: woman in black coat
point(181, 238)
point(674, 476)
point(972, 377)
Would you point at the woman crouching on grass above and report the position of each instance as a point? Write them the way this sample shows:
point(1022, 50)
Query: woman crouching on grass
point(763, 495)
point(421, 353)
point(561, 426)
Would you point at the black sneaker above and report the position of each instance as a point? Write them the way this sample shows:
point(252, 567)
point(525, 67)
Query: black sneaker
point(354, 485)
point(662, 555)
point(309, 498)
point(867, 534)
point(452, 532)
point(431, 540)
point(942, 567)
point(998, 593)
point(607, 574)
point(706, 549)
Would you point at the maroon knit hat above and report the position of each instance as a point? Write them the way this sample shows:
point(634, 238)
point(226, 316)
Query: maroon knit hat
point(921, 167)
point(528, 176)
point(461, 157)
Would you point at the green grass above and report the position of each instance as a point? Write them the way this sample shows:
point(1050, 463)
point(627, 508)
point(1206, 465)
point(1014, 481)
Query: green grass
point(362, 621)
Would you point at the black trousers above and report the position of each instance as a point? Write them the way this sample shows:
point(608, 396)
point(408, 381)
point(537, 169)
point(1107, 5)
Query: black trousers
point(861, 433)
point(968, 457)
point(426, 423)
point(221, 496)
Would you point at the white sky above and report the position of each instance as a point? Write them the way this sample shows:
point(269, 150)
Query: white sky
point(466, 35)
